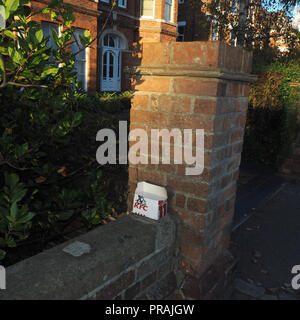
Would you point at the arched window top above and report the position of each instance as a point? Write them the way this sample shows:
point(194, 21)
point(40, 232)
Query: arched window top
point(112, 41)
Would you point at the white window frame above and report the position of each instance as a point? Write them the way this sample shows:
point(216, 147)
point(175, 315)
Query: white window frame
point(169, 3)
point(86, 60)
point(153, 14)
point(124, 5)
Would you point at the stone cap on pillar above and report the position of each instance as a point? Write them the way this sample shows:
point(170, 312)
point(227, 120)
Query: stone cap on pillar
point(210, 58)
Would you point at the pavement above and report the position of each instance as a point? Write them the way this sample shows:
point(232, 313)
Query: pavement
point(266, 235)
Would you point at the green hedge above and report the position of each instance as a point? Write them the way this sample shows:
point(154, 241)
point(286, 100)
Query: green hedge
point(49, 174)
point(271, 125)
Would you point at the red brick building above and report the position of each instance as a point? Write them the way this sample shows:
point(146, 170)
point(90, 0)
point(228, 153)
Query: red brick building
point(199, 21)
point(99, 67)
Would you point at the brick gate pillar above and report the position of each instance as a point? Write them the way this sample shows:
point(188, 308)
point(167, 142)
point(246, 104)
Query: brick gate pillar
point(195, 85)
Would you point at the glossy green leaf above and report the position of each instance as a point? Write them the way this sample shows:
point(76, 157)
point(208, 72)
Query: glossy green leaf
point(16, 55)
point(39, 35)
point(9, 34)
point(14, 211)
point(2, 254)
point(18, 196)
point(1, 65)
point(11, 179)
point(26, 218)
point(11, 6)
point(11, 243)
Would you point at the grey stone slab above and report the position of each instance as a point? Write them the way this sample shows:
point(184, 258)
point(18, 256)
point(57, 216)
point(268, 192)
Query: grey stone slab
point(54, 274)
point(249, 289)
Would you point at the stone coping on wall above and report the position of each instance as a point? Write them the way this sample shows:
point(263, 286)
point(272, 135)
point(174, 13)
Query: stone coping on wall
point(86, 265)
point(190, 71)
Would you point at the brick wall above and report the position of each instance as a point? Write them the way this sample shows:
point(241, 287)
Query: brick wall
point(198, 85)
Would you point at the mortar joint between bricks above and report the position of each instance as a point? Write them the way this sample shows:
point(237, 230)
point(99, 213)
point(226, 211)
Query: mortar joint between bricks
point(171, 89)
point(156, 251)
point(193, 99)
point(172, 52)
point(97, 289)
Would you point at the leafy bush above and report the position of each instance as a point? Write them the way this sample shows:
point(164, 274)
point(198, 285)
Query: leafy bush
point(272, 120)
point(48, 160)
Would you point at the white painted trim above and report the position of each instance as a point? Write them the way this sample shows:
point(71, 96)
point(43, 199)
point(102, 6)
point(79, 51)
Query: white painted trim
point(86, 71)
point(158, 20)
point(117, 54)
point(115, 32)
point(86, 68)
point(172, 11)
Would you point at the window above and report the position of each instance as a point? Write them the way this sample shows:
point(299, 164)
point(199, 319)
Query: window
point(48, 28)
point(111, 41)
point(214, 32)
point(233, 5)
point(112, 46)
point(147, 8)
point(107, 1)
point(80, 58)
point(180, 30)
point(123, 3)
point(168, 10)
